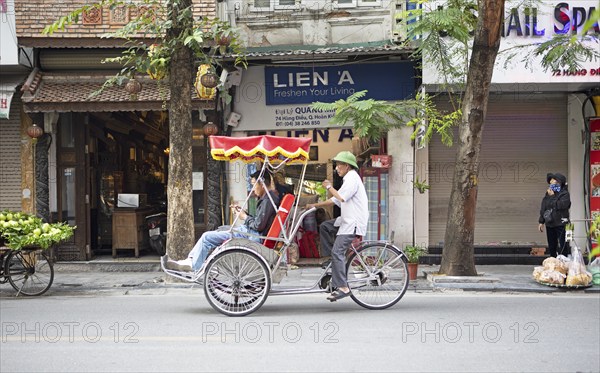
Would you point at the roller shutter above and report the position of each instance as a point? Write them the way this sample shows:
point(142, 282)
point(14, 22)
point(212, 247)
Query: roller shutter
point(523, 139)
point(10, 157)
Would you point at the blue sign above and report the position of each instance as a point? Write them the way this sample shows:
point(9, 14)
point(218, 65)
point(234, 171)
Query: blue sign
point(305, 85)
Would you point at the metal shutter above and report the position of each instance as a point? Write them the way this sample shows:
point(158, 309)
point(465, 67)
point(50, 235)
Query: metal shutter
point(10, 157)
point(523, 139)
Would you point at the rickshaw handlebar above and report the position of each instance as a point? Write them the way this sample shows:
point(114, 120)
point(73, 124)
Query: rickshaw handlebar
point(300, 219)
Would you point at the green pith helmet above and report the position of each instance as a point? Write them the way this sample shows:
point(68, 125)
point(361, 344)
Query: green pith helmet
point(346, 157)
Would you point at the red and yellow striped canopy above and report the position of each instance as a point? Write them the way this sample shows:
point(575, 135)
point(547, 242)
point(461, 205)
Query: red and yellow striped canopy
point(255, 148)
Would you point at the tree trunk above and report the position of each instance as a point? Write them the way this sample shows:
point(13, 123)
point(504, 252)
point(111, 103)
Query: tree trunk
point(180, 219)
point(458, 257)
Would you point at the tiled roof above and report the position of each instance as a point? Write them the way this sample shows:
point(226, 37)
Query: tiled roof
point(341, 50)
point(32, 16)
point(71, 92)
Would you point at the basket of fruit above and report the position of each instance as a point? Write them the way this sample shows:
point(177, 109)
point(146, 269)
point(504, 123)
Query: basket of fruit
point(19, 230)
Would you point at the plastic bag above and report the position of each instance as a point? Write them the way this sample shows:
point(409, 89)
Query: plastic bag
point(293, 254)
point(578, 275)
point(555, 264)
point(537, 272)
point(594, 268)
point(552, 277)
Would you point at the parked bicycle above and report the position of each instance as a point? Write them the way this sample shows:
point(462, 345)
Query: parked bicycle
point(29, 271)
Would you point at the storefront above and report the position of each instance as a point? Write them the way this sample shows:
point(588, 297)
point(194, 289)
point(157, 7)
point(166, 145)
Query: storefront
point(276, 99)
point(106, 158)
point(523, 139)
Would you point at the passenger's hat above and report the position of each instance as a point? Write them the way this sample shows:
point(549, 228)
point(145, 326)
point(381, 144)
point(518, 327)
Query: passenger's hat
point(346, 157)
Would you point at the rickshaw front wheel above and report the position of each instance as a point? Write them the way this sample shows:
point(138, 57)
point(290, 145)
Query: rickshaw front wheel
point(236, 282)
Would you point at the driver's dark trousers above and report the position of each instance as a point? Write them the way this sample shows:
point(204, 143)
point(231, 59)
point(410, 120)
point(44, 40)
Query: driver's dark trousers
point(337, 245)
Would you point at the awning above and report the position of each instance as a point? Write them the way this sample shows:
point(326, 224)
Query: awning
point(63, 92)
point(8, 85)
point(255, 148)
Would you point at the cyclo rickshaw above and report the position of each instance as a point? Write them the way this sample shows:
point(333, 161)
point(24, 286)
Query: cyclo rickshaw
point(238, 276)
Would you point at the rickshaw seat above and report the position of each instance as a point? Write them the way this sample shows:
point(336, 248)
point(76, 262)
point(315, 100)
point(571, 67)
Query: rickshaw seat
point(282, 213)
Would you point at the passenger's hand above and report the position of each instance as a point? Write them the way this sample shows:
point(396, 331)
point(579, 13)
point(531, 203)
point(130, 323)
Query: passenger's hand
point(326, 183)
point(550, 192)
point(238, 210)
point(541, 227)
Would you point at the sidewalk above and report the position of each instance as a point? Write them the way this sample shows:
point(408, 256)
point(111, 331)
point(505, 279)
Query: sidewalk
point(131, 275)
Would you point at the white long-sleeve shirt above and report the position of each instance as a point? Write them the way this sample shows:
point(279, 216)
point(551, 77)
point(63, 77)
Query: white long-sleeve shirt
point(355, 208)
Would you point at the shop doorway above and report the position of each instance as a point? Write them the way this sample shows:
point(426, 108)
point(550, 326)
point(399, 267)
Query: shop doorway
point(73, 194)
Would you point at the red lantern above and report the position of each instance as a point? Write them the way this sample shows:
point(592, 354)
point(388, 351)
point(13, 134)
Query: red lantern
point(210, 129)
point(34, 131)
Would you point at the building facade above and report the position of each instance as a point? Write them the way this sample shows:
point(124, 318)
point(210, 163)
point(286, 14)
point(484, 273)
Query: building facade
point(96, 144)
point(300, 52)
point(536, 124)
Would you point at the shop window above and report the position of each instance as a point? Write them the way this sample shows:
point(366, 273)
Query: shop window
point(67, 135)
point(68, 195)
point(355, 3)
point(262, 5)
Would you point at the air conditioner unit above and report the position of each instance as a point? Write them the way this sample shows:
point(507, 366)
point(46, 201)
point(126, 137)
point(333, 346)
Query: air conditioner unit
point(233, 119)
point(131, 200)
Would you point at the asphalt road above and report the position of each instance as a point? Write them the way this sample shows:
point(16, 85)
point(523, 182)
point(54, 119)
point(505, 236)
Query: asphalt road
point(179, 331)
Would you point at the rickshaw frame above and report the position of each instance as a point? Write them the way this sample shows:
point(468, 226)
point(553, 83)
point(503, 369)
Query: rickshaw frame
point(369, 264)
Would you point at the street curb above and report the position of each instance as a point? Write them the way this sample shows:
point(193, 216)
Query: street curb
point(106, 266)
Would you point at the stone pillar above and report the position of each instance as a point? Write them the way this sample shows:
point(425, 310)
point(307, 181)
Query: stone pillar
point(42, 200)
point(213, 190)
point(401, 203)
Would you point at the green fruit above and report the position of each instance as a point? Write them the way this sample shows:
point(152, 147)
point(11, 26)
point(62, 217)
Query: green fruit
point(2, 217)
point(37, 232)
point(9, 216)
point(45, 227)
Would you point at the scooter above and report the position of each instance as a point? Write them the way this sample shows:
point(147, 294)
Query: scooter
point(157, 230)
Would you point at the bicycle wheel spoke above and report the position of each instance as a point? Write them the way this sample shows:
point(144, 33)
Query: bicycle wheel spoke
point(29, 272)
point(377, 276)
point(236, 283)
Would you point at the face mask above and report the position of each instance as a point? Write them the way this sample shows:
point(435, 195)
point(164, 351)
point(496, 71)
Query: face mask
point(555, 188)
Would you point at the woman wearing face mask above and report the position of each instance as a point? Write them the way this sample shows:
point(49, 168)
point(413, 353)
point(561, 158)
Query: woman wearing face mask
point(554, 213)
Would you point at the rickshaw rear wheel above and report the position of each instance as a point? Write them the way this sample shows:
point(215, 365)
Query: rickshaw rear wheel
point(236, 282)
point(30, 272)
point(389, 279)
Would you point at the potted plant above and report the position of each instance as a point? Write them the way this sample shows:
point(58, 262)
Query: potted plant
point(421, 186)
point(413, 253)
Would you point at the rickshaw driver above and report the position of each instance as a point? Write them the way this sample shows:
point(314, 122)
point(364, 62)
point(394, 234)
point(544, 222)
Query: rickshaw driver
point(255, 225)
point(353, 202)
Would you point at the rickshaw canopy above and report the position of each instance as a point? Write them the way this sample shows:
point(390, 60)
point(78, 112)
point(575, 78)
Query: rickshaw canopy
point(255, 148)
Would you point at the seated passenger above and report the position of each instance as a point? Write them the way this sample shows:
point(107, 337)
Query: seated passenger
point(254, 225)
